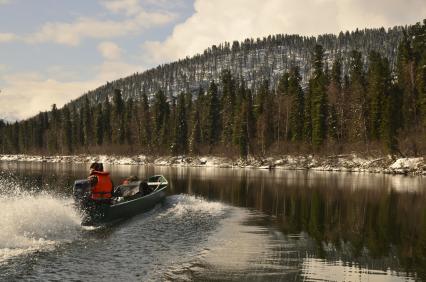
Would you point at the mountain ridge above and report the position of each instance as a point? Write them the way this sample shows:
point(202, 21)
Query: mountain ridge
point(252, 60)
point(273, 96)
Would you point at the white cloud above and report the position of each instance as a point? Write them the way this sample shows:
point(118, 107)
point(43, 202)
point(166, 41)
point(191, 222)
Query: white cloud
point(216, 21)
point(135, 21)
point(109, 50)
point(113, 66)
point(8, 37)
point(129, 7)
point(72, 33)
point(25, 94)
point(3, 2)
point(166, 4)
point(112, 70)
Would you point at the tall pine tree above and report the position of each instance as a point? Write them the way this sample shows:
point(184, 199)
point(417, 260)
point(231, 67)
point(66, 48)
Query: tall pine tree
point(317, 86)
point(297, 105)
point(181, 137)
point(213, 116)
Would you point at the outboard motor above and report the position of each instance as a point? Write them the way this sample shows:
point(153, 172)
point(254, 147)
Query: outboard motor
point(81, 192)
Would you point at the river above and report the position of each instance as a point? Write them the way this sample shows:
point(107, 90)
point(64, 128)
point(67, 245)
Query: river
point(217, 225)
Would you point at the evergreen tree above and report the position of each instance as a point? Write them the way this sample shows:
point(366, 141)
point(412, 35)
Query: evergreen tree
point(74, 125)
point(67, 130)
point(80, 134)
point(14, 140)
point(161, 112)
point(240, 99)
point(23, 137)
point(390, 121)
point(202, 107)
point(181, 138)
point(243, 136)
point(337, 104)
point(39, 131)
point(213, 116)
point(332, 123)
point(107, 113)
point(378, 81)
point(228, 105)
point(54, 126)
point(118, 130)
point(307, 120)
point(195, 137)
point(189, 109)
point(87, 120)
point(419, 53)
point(251, 120)
point(317, 86)
point(171, 135)
point(264, 117)
point(261, 97)
point(99, 125)
point(406, 82)
point(296, 106)
point(284, 101)
point(421, 86)
point(145, 122)
point(129, 122)
point(359, 110)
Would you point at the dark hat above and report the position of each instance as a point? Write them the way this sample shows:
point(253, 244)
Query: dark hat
point(97, 166)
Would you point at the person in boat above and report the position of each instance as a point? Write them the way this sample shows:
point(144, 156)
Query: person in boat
point(144, 189)
point(101, 183)
point(129, 179)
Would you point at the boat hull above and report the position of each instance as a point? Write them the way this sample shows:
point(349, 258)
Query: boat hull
point(98, 213)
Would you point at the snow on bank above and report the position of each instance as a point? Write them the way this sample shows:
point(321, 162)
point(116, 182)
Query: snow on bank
point(350, 163)
point(135, 160)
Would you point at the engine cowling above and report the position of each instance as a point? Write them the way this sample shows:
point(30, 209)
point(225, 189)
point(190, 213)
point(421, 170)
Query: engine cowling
point(81, 191)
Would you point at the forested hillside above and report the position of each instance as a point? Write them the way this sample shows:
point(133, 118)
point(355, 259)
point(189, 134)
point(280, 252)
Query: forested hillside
point(363, 91)
point(253, 61)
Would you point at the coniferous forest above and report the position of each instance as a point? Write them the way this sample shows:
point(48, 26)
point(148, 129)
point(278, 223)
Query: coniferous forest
point(364, 100)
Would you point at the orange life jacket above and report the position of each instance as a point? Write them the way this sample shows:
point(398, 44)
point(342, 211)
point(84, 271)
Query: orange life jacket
point(103, 188)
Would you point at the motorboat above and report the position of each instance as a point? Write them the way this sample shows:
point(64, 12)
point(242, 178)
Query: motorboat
point(128, 199)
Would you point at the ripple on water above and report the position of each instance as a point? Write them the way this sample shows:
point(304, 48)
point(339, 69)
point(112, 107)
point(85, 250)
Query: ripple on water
point(240, 249)
point(169, 234)
point(314, 269)
point(145, 246)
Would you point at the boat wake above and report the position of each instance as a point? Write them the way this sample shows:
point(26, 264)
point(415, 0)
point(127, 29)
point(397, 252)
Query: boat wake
point(182, 205)
point(32, 222)
point(175, 231)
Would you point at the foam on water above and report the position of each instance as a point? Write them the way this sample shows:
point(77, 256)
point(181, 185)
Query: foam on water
point(33, 221)
point(187, 204)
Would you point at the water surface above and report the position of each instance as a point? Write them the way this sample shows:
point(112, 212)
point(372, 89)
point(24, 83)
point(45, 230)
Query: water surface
point(216, 225)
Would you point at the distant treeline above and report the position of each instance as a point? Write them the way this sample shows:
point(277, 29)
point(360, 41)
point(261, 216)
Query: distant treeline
point(371, 109)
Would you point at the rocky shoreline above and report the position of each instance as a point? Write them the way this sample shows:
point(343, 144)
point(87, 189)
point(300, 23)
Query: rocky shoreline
point(345, 163)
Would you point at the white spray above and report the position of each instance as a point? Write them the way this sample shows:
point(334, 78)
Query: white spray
point(33, 221)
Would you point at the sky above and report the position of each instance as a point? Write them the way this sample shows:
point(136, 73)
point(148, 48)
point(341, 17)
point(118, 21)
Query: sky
point(53, 51)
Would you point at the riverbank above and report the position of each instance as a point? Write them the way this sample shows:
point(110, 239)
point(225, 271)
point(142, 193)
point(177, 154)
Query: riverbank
point(346, 163)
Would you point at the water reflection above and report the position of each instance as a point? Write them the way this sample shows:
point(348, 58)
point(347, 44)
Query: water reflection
point(314, 269)
point(328, 226)
point(357, 218)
